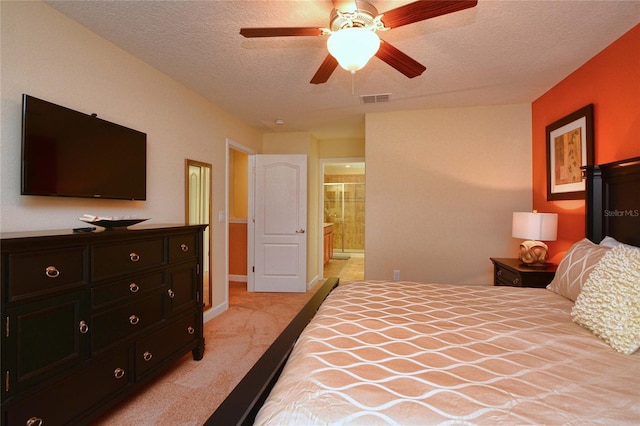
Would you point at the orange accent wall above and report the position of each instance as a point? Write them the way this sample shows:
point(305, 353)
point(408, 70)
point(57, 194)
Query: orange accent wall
point(611, 82)
point(237, 248)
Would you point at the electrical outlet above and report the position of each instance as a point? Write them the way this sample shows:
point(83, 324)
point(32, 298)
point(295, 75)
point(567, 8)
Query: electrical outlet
point(396, 274)
point(221, 216)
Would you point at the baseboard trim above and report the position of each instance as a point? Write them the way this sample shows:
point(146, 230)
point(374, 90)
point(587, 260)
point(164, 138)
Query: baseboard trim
point(238, 278)
point(214, 311)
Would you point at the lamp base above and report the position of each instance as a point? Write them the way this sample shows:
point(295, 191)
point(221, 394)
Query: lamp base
point(533, 253)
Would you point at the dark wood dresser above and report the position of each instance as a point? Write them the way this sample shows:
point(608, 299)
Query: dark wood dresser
point(88, 318)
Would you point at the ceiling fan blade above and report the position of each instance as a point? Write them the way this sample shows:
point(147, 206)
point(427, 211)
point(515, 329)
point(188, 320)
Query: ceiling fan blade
point(400, 61)
point(424, 9)
point(281, 31)
point(326, 69)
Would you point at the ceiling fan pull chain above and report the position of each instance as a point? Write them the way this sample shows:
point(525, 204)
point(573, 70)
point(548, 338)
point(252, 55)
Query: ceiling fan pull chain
point(353, 83)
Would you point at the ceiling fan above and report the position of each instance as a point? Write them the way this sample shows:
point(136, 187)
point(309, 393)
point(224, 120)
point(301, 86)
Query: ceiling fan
point(352, 34)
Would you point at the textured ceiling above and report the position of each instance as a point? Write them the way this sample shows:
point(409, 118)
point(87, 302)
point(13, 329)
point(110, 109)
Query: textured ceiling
point(500, 52)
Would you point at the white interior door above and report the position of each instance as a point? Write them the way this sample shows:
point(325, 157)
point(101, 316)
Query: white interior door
point(278, 254)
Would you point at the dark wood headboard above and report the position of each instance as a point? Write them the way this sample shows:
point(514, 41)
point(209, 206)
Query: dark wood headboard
point(613, 201)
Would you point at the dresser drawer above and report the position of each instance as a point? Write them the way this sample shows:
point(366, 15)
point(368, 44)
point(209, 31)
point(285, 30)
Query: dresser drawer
point(154, 349)
point(39, 273)
point(507, 277)
point(511, 272)
point(182, 247)
point(126, 290)
point(62, 401)
point(109, 327)
point(133, 256)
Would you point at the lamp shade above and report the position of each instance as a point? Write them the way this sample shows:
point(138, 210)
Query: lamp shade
point(353, 47)
point(534, 226)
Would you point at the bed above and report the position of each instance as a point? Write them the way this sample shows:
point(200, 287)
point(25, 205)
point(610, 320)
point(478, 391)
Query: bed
point(413, 353)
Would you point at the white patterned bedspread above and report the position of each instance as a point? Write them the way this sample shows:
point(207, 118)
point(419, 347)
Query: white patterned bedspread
point(419, 354)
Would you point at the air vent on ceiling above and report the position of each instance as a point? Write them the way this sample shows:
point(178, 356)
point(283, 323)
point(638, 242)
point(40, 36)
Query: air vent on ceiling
point(375, 99)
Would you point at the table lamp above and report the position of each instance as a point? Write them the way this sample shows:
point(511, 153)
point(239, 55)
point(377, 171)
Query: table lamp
point(534, 226)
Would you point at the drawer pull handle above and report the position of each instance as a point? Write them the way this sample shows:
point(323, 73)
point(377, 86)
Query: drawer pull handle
point(51, 272)
point(184, 247)
point(134, 256)
point(499, 273)
point(34, 421)
point(516, 281)
point(133, 320)
point(147, 356)
point(118, 373)
point(171, 293)
point(191, 330)
point(84, 328)
point(133, 288)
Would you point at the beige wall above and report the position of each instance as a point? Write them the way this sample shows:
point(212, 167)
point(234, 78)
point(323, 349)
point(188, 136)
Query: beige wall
point(303, 143)
point(441, 187)
point(49, 56)
point(341, 148)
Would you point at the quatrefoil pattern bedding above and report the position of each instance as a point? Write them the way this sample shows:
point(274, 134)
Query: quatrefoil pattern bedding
point(406, 353)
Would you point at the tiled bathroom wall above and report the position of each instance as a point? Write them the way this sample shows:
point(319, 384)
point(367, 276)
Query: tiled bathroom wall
point(345, 194)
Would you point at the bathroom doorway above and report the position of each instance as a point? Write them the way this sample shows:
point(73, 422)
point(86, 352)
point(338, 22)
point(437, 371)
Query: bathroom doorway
point(344, 208)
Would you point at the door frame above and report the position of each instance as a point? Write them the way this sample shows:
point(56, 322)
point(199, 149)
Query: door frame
point(323, 163)
point(245, 149)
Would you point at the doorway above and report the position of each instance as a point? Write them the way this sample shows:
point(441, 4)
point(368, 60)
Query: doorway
point(237, 196)
point(343, 203)
point(344, 207)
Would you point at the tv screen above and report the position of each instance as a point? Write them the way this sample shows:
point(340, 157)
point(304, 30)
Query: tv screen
point(66, 153)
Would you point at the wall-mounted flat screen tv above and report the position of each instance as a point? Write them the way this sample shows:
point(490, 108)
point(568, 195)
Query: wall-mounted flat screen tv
point(67, 153)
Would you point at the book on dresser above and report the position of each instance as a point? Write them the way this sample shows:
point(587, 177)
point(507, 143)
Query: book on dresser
point(89, 318)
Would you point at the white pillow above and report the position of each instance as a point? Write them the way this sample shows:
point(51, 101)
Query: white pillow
point(609, 304)
point(612, 242)
point(575, 267)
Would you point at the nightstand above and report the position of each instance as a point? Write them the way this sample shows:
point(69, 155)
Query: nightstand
point(511, 272)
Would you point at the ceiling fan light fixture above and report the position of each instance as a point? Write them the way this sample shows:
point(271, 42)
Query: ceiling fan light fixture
point(353, 47)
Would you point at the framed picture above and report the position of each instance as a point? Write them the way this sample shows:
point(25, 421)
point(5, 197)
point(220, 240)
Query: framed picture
point(569, 147)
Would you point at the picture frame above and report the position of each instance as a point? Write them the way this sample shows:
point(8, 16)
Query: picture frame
point(569, 148)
